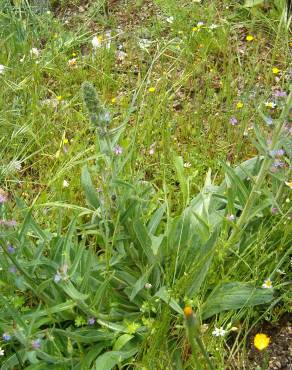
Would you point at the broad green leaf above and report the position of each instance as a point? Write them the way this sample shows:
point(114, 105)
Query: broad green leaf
point(66, 306)
point(164, 295)
point(72, 292)
point(91, 355)
point(201, 265)
point(140, 283)
point(90, 191)
point(121, 341)
point(86, 335)
point(233, 296)
point(156, 219)
point(183, 181)
point(144, 240)
point(110, 359)
point(234, 181)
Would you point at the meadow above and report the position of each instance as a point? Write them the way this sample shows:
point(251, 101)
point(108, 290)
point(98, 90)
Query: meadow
point(145, 184)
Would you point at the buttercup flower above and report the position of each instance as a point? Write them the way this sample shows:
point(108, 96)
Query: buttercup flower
point(151, 89)
point(219, 332)
point(275, 70)
point(261, 341)
point(267, 284)
point(239, 105)
point(249, 38)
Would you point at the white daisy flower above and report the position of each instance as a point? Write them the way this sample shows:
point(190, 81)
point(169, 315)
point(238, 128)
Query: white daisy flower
point(267, 284)
point(34, 52)
point(219, 332)
point(2, 69)
point(170, 19)
point(96, 42)
point(187, 165)
point(1, 352)
point(270, 104)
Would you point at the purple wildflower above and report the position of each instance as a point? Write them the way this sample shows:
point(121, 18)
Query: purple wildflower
point(277, 153)
point(11, 249)
point(118, 150)
point(6, 336)
point(11, 223)
point(280, 94)
point(278, 164)
point(36, 344)
point(91, 321)
point(274, 210)
point(230, 217)
point(233, 121)
point(3, 198)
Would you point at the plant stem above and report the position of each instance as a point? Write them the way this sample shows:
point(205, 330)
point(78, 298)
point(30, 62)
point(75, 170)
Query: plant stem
point(255, 191)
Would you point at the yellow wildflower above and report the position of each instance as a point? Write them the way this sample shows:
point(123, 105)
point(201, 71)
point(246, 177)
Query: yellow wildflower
point(194, 29)
point(275, 70)
point(188, 312)
point(113, 100)
point(249, 38)
point(239, 105)
point(59, 97)
point(151, 89)
point(289, 184)
point(65, 141)
point(261, 341)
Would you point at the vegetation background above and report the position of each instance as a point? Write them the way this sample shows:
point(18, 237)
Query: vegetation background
point(145, 167)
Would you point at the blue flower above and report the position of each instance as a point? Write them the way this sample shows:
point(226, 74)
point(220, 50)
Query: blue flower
point(11, 249)
point(6, 336)
point(36, 344)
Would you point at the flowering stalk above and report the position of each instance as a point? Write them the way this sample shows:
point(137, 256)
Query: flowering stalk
point(194, 334)
point(263, 171)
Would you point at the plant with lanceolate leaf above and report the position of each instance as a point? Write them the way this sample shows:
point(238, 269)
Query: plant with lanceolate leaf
point(93, 296)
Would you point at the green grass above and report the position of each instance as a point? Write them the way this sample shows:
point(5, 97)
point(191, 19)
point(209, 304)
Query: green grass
point(162, 215)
